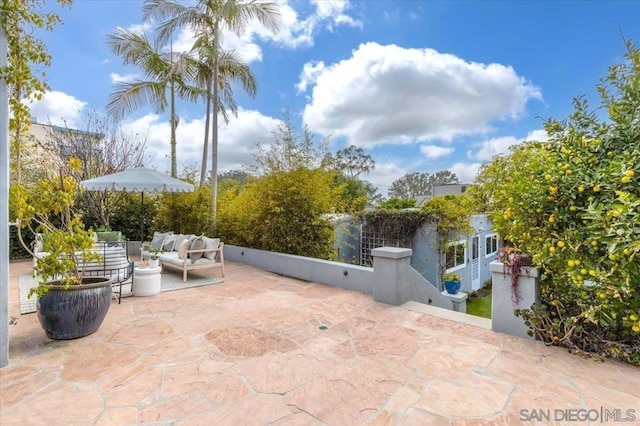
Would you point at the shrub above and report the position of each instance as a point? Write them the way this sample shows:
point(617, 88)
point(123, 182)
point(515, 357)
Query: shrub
point(281, 212)
point(127, 214)
point(184, 213)
point(574, 204)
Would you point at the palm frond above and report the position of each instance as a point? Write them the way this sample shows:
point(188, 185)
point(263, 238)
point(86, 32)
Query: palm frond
point(128, 97)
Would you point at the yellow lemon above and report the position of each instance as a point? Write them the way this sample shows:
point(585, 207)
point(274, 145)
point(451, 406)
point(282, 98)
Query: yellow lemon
point(584, 271)
point(594, 243)
point(596, 188)
point(568, 171)
point(552, 219)
point(633, 317)
point(571, 264)
point(629, 173)
point(625, 179)
point(560, 244)
point(592, 273)
point(552, 249)
point(636, 328)
point(553, 189)
point(581, 189)
point(573, 208)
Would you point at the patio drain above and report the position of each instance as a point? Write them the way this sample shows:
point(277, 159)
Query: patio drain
point(323, 327)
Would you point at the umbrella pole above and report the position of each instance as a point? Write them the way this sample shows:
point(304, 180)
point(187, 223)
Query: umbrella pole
point(142, 218)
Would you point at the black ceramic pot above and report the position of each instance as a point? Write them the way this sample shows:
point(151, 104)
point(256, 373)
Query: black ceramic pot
point(76, 312)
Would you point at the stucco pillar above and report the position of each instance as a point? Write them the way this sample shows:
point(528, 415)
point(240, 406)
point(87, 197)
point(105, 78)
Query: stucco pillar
point(459, 300)
point(391, 275)
point(504, 301)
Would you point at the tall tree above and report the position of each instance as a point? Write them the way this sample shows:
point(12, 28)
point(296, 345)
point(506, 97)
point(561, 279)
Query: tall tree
point(414, 184)
point(168, 74)
point(103, 148)
point(351, 162)
point(26, 53)
point(210, 19)
point(289, 150)
point(231, 69)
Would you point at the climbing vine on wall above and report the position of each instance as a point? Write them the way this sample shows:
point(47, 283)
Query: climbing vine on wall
point(398, 225)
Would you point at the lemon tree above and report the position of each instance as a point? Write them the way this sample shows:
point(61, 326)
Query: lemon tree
point(574, 204)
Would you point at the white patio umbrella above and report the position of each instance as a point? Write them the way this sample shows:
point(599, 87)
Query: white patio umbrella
point(139, 179)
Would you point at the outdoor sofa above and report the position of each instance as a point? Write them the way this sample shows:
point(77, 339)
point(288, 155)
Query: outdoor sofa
point(185, 252)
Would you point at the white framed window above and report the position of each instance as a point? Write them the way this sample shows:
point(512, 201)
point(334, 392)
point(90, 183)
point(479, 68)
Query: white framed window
point(456, 256)
point(491, 244)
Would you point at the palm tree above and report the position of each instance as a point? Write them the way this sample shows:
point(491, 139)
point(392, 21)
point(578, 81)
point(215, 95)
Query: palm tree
point(231, 70)
point(166, 72)
point(210, 19)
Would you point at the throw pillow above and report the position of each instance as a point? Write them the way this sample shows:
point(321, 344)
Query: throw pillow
point(182, 250)
point(169, 242)
point(158, 239)
point(197, 244)
point(211, 243)
point(179, 239)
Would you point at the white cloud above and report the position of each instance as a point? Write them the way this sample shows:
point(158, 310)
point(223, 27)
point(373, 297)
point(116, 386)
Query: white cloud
point(126, 78)
point(310, 73)
point(539, 135)
point(494, 146)
point(466, 172)
point(384, 174)
point(295, 31)
point(500, 145)
point(140, 28)
point(237, 140)
point(390, 94)
point(58, 108)
point(333, 11)
point(433, 151)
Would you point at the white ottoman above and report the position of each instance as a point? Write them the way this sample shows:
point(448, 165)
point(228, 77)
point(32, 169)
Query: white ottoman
point(146, 281)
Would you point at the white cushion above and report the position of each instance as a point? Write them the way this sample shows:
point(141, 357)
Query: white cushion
point(211, 243)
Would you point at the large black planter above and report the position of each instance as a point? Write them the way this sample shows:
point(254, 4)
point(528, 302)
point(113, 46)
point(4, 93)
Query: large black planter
point(76, 312)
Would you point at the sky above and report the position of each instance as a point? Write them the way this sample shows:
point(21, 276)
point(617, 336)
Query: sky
point(421, 86)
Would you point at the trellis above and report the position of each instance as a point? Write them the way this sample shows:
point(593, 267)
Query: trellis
point(387, 228)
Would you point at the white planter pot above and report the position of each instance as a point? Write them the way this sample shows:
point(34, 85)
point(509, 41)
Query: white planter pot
point(146, 281)
point(154, 263)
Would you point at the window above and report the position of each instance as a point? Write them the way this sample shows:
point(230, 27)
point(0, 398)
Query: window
point(491, 244)
point(455, 256)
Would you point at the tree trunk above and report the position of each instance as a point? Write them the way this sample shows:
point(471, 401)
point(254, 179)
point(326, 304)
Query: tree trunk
point(18, 143)
point(203, 170)
point(214, 135)
point(174, 164)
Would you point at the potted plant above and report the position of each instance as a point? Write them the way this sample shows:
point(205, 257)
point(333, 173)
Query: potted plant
point(451, 282)
point(154, 255)
point(70, 305)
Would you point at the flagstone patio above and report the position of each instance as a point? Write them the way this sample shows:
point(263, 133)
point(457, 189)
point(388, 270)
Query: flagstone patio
point(253, 350)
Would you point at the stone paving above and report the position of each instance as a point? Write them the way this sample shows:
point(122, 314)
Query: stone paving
point(251, 351)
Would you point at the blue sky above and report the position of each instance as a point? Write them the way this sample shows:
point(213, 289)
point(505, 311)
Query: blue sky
point(420, 85)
